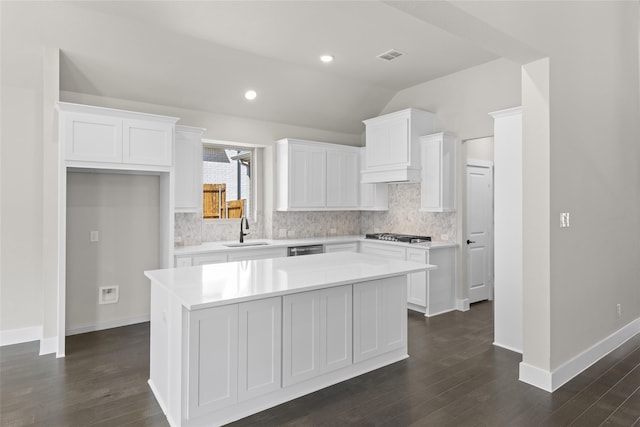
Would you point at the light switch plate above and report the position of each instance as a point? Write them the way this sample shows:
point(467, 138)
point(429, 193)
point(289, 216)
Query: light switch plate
point(94, 236)
point(564, 219)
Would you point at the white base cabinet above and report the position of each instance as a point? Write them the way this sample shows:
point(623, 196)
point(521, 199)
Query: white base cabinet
point(430, 292)
point(380, 317)
point(215, 365)
point(317, 333)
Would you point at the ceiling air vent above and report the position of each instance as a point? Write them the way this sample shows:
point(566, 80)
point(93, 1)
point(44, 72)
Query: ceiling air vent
point(390, 55)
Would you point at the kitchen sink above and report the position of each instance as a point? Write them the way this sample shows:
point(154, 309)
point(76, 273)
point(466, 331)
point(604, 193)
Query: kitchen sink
point(241, 245)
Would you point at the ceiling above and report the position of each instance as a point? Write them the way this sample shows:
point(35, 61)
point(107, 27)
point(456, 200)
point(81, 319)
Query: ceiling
point(203, 55)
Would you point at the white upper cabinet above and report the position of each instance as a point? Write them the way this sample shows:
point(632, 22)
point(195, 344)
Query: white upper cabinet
point(373, 197)
point(438, 189)
point(343, 178)
point(95, 135)
point(392, 145)
point(316, 176)
point(188, 169)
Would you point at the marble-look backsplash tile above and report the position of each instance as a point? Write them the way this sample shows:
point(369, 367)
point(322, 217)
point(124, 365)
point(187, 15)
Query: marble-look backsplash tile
point(315, 224)
point(188, 229)
point(404, 216)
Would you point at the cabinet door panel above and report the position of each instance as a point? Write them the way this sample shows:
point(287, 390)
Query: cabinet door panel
point(307, 178)
point(93, 138)
point(259, 347)
point(343, 178)
point(188, 170)
point(367, 320)
point(301, 337)
point(147, 143)
point(395, 313)
point(213, 359)
point(336, 328)
point(379, 316)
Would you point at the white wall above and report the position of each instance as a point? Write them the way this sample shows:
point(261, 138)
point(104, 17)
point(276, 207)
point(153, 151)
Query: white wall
point(462, 103)
point(124, 209)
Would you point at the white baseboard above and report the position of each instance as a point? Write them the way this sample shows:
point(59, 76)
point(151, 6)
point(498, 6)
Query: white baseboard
point(20, 335)
point(108, 325)
point(48, 345)
point(517, 350)
point(551, 381)
point(462, 304)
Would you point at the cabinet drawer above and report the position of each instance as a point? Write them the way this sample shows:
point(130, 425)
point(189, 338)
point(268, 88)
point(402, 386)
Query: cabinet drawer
point(204, 259)
point(341, 247)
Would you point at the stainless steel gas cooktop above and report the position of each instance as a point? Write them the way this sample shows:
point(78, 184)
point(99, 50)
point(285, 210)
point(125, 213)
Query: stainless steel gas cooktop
point(392, 237)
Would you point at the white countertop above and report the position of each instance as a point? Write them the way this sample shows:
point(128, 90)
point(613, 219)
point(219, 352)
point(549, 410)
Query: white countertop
point(210, 247)
point(232, 282)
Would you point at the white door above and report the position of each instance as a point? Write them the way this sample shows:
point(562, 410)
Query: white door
point(479, 231)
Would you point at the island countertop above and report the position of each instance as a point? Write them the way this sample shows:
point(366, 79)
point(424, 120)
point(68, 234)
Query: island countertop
point(232, 282)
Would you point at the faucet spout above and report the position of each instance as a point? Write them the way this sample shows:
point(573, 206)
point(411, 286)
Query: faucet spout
point(244, 225)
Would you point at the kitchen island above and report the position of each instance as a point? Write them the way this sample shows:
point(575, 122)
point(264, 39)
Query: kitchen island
point(229, 340)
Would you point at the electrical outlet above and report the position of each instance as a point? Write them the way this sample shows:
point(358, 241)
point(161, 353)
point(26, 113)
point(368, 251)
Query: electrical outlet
point(282, 233)
point(94, 236)
point(444, 237)
point(108, 294)
point(619, 310)
point(291, 234)
point(333, 232)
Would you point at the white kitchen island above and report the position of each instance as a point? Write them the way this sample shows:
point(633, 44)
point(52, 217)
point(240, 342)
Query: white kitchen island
point(229, 340)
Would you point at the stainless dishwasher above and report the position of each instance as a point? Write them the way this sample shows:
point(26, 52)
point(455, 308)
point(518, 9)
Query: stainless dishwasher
point(305, 250)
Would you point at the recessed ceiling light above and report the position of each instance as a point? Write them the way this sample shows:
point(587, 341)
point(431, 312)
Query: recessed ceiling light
point(250, 94)
point(326, 58)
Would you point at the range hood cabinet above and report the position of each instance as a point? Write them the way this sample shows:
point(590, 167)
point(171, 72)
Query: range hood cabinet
point(392, 146)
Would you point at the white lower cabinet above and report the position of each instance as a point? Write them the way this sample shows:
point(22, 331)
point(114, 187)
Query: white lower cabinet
point(234, 354)
point(432, 292)
point(379, 317)
point(317, 333)
point(212, 258)
point(213, 359)
point(259, 347)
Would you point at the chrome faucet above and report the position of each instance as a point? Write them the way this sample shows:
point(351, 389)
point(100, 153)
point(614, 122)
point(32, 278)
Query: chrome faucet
point(244, 225)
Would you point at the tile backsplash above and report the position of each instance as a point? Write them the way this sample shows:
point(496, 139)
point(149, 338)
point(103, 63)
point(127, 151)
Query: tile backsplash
point(403, 216)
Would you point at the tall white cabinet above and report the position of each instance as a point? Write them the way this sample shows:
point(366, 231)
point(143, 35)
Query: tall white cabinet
point(438, 187)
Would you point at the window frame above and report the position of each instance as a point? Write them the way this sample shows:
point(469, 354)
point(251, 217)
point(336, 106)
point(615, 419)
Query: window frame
point(256, 175)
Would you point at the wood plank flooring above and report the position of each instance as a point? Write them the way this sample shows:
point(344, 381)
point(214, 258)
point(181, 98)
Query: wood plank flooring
point(454, 377)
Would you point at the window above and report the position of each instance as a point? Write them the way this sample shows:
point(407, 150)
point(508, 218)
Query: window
point(227, 176)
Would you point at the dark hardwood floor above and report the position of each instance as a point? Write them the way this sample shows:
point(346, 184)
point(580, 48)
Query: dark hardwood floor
point(454, 377)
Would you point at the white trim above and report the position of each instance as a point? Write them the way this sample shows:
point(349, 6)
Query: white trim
point(49, 345)
point(506, 112)
point(535, 376)
point(462, 304)
point(20, 335)
point(506, 347)
point(108, 325)
point(480, 163)
point(551, 381)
